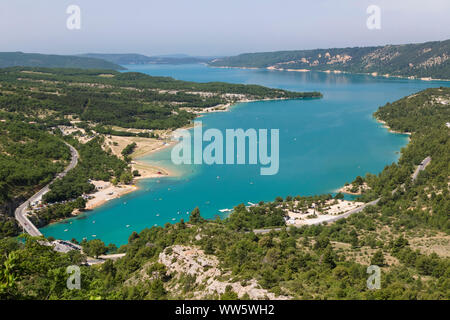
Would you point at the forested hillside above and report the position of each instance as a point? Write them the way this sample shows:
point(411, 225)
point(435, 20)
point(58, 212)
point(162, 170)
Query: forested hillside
point(29, 157)
point(11, 59)
point(131, 100)
point(423, 60)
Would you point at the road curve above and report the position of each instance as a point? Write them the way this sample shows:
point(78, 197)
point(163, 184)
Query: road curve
point(20, 213)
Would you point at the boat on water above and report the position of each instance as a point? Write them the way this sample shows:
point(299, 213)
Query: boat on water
point(225, 210)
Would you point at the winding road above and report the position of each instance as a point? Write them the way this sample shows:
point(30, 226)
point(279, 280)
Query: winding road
point(20, 213)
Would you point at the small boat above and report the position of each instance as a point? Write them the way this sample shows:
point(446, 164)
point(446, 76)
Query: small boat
point(94, 235)
point(157, 214)
point(93, 221)
point(65, 230)
point(127, 225)
point(225, 210)
point(173, 219)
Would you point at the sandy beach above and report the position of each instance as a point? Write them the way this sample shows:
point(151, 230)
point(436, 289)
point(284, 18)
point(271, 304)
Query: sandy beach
point(106, 191)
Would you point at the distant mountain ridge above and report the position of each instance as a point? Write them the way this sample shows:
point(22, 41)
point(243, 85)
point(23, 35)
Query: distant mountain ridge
point(423, 60)
point(12, 59)
point(134, 58)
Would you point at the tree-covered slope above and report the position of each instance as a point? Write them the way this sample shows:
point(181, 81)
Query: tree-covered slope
point(11, 59)
point(429, 59)
point(419, 112)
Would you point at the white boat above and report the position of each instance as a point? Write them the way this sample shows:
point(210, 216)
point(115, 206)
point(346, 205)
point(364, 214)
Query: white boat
point(225, 210)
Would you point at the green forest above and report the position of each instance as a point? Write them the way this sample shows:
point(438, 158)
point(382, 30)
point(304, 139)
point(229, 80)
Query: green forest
point(10, 59)
point(130, 100)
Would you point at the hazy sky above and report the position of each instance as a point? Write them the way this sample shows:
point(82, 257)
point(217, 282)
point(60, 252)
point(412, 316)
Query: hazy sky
point(211, 27)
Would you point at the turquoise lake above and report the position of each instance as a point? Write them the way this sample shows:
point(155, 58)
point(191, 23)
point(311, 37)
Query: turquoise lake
point(323, 144)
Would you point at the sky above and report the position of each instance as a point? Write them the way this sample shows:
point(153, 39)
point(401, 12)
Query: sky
point(215, 28)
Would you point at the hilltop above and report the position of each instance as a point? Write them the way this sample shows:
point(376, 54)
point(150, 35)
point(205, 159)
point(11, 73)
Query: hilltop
point(422, 60)
point(11, 59)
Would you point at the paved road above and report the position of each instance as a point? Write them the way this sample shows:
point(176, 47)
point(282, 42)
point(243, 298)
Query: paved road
point(101, 259)
point(425, 162)
point(20, 213)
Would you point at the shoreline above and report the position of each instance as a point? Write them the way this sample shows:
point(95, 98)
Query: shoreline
point(385, 125)
point(373, 74)
point(344, 189)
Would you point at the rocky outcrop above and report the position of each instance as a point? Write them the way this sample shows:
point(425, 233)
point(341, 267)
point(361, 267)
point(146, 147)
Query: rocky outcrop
point(192, 261)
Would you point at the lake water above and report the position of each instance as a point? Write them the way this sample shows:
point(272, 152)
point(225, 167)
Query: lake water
point(323, 144)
